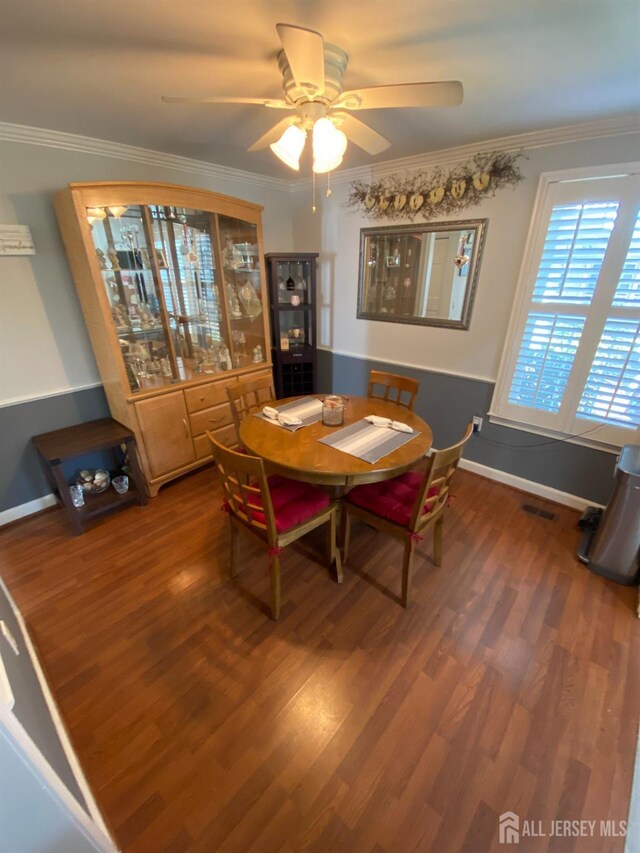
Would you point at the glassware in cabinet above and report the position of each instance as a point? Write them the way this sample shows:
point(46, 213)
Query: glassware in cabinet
point(121, 244)
point(291, 279)
point(184, 241)
point(147, 261)
point(241, 270)
point(295, 329)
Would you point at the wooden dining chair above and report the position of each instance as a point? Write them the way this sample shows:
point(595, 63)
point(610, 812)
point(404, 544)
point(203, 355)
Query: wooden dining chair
point(406, 505)
point(273, 511)
point(248, 397)
point(392, 386)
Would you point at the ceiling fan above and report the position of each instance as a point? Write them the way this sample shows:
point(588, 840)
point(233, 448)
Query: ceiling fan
point(312, 73)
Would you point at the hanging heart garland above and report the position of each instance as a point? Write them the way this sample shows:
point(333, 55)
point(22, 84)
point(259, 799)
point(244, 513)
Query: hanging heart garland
point(438, 192)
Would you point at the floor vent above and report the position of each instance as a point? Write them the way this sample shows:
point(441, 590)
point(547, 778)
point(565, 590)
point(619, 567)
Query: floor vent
point(536, 510)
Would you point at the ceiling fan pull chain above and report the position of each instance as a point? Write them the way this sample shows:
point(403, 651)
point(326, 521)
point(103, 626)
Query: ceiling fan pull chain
point(329, 190)
point(313, 181)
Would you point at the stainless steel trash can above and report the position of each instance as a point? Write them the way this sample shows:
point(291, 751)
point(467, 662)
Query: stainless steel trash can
point(615, 548)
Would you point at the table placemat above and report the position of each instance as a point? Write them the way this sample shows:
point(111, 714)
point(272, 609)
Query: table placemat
point(308, 409)
point(366, 441)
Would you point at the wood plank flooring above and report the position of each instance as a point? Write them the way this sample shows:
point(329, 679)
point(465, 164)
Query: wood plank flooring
point(510, 683)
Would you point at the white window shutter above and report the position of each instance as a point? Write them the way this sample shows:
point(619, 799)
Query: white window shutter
point(547, 351)
point(571, 365)
point(612, 392)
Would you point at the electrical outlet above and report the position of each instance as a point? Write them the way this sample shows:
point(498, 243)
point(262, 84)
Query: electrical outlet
point(477, 423)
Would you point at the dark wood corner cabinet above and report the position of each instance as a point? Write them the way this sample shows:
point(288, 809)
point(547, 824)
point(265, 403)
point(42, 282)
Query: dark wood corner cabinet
point(291, 279)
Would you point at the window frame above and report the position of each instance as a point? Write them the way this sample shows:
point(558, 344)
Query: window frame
point(555, 188)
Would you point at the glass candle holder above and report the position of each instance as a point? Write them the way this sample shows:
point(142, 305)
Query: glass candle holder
point(333, 411)
point(77, 495)
point(121, 484)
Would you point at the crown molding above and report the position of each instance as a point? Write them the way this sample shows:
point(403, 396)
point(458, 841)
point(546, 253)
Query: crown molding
point(619, 126)
point(119, 151)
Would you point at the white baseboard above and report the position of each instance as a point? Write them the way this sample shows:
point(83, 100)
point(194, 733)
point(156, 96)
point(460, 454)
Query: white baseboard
point(16, 512)
point(529, 486)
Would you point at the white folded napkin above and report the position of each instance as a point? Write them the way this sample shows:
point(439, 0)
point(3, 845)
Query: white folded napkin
point(268, 412)
point(288, 420)
point(378, 421)
point(400, 427)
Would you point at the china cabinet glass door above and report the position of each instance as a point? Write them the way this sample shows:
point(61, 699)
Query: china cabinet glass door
point(241, 271)
point(185, 252)
point(121, 241)
point(184, 290)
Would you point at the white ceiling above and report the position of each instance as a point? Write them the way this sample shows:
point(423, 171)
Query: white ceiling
point(99, 68)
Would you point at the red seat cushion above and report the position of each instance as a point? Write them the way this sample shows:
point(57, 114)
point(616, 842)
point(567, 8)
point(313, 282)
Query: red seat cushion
point(391, 499)
point(293, 502)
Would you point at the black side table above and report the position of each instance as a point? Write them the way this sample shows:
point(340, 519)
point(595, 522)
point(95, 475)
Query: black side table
point(62, 444)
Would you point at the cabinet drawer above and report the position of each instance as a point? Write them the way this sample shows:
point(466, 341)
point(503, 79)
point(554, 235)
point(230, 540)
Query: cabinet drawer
point(205, 396)
point(261, 374)
point(226, 436)
point(210, 419)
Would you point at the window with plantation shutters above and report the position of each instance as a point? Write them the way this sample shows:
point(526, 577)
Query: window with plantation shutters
point(571, 365)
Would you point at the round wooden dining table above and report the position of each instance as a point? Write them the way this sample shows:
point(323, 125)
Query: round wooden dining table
point(299, 455)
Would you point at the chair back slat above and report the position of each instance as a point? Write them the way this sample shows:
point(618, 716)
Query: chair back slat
point(246, 490)
point(248, 397)
point(241, 497)
point(393, 387)
point(437, 479)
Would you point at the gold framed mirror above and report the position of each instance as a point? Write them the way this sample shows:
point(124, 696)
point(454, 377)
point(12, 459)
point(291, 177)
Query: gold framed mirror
point(421, 274)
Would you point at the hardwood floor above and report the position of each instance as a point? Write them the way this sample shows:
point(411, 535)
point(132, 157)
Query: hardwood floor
point(510, 683)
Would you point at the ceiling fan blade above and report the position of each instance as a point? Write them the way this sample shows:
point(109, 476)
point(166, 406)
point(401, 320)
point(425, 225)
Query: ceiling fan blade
point(273, 103)
point(361, 134)
point(445, 94)
point(272, 135)
point(305, 52)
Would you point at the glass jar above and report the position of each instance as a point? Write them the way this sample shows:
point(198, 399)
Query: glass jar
point(333, 410)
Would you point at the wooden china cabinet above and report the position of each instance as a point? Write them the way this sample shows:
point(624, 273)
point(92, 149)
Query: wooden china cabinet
point(171, 283)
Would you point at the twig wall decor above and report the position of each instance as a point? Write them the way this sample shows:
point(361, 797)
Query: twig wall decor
point(437, 192)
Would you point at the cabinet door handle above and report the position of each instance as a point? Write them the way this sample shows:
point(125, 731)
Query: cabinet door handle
point(186, 427)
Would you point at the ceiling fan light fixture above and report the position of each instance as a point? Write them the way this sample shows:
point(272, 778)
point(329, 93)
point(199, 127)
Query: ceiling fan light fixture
point(329, 145)
point(321, 167)
point(289, 147)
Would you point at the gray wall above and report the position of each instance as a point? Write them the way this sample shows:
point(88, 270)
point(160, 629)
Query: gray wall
point(47, 366)
point(21, 474)
point(46, 359)
point(334, 231)
point(33, 820)
point(31, 707)
point(448, 403)
point(44, 345)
